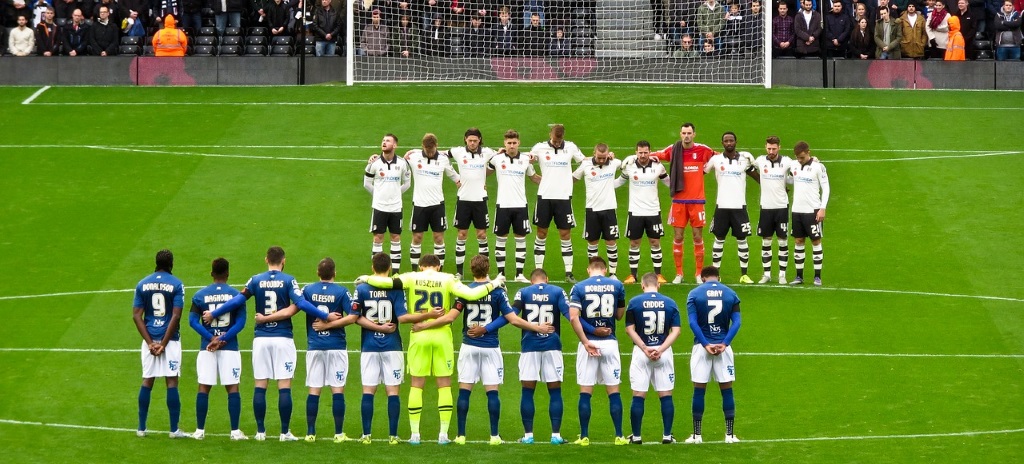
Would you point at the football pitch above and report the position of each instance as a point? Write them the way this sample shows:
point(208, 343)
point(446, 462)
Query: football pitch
point(913, 351)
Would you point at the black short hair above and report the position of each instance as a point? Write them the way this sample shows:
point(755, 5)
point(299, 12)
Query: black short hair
point(709, 271)
point(733, 134)
point(381, 262)
point(164, 260)
point(473, 131)
point(325, 270)
point(219, 268)
point(643, 144)
point(275, 255)
point(430, 261)
point(688, 124)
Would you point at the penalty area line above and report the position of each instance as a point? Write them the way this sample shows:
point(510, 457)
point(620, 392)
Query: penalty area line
point(35, 95)
point(969, 433)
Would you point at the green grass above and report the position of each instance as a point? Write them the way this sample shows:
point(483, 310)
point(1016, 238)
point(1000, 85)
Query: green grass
point(92, 191)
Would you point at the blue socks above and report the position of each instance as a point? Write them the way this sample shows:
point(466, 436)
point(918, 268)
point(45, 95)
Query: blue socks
point(636, 414)
point(367, 413)
point(462, 410)
point(202, 406)
point(615, 407)
point(338, 408)
point(494, 409)
point(526, 409)
point(729, 407)
point(173, 407)
point(144, 394)
point(312, 407)
point(698, 409)
point(234, 408)
point(284, 408)
point(668, 414)
point(584, 409)
point(259, 408)
point(555, 410)
point(394, 409)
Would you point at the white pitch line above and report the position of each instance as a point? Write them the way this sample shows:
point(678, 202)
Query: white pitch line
point(625, 354)
point(809, 289)
point(533, 105)
point(35, 95)
point(221, 155)
point(763, 440)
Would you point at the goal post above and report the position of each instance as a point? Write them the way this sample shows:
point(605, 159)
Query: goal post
point(627, 41)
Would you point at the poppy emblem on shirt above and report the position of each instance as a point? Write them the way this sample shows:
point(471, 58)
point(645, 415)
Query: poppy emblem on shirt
point(419, 166)
point(766, 170)
point(593, 173)
point(503, 166)
point(382, 173)
point(722, 168)
point(636, 177)
point(465, 161)
point(548, 157)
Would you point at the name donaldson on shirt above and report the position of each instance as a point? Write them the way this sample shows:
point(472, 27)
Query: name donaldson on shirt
point(157, 287)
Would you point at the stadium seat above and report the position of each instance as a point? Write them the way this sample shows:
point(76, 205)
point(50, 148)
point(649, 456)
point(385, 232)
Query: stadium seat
point(61, 21)
point(129, 50)
point(311, 50)
point(131, 40)
point(255, 40)
point(282, 40)
point(206, 40)
point(232, 40)
point(229, 50)
point(310, 40)
point(257, 31)
point(207, 31)
point(253, 50)
point(281, 50)
point(188, 31)
point(983, 50)
point(204, 50)
point(148, 50)
point(232, 31)
point(209, 21)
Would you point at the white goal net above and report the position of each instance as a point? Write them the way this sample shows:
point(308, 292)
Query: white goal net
point(658, 41)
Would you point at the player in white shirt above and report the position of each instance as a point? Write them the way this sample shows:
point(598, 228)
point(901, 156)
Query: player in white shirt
point(642, 173)
point(428, 166)
point(387, 177)
point(731, 169)
point(774, 172)
point(471, 207)
point(554, 195)
point(810, 197)
point(512, 168)
point(598, 174)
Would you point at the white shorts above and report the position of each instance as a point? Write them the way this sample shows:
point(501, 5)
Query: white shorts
point(273, 358)
point(167, 364)
point(226, 363)
point(605, 369)
point(703, 365)
point(643, 372)
point(377, 367)
point(542, 366)
point(326, 367)
point(483, 365)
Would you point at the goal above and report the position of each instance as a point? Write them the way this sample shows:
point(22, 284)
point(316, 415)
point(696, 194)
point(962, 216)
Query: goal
point(635, 41)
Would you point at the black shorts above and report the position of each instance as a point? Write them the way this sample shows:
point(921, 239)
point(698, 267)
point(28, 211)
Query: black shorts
point(734, 219)
point(773, 222)
point(637, 226)
point(517, 219)
point(805, 225)
point(382, 222)
point(471, 213)
point(558, 210)
point(429, 216)
point(601, 225)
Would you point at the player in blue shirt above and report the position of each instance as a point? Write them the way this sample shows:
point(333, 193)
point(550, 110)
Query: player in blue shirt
point(273, 349)
point(159, 298)
point(327, 351)
point(714, 313)
point(652, 322)
point(541, 358)
point(599, 301)
point(218, 349)
point(480, 358)
point(381, 359)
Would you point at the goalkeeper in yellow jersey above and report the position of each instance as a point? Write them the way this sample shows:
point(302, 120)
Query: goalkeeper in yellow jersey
point(431, 351)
